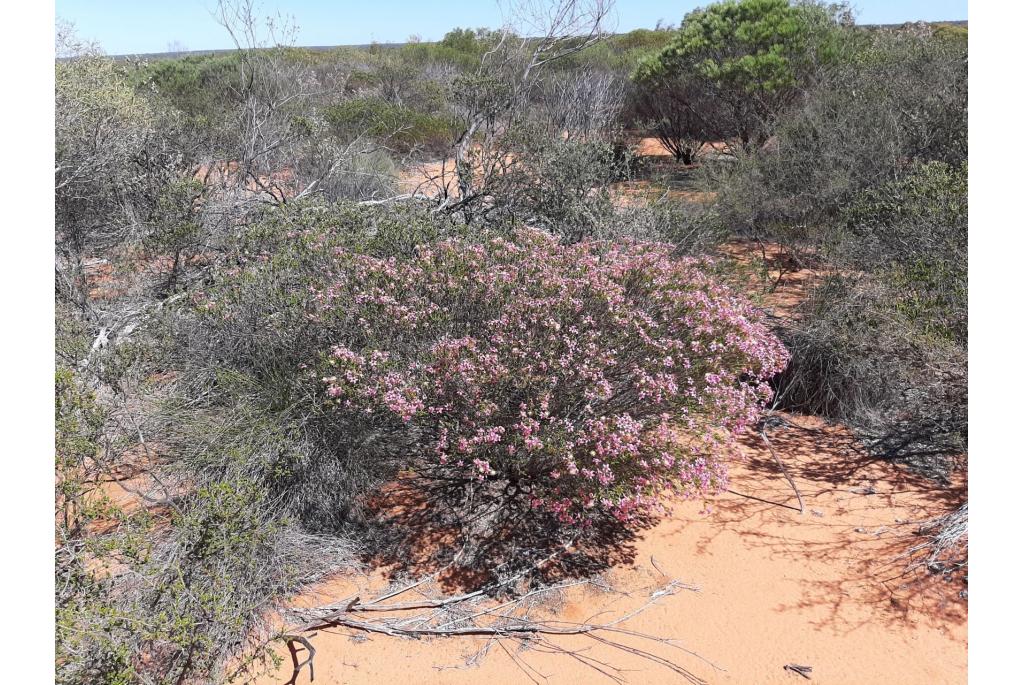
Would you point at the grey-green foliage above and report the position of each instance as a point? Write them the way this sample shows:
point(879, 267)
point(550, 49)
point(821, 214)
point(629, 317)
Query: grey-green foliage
point(869, 175)
point(913, 233)
point(898, 102)
point(188, 601)
point(883, 344)
point(176, 227)
point(102, 127)
point(248, 344)
point(117, 157)
point(396, 125)
point(858, 358)
point(559, 185)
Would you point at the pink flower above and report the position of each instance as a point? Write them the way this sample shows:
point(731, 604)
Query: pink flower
point(629, 368)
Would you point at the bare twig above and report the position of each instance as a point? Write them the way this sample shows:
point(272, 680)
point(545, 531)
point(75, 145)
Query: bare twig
point(768, 443)
point(311, 651)
point(503, 623)
point(804, 671)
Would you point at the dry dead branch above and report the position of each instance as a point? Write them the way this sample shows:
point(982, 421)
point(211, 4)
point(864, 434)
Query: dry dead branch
point(454, 617)
point(768, 444)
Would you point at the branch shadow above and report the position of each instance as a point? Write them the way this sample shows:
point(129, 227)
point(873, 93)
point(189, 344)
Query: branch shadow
point(862, 515)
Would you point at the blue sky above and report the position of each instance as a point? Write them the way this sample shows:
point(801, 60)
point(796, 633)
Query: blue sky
point(131, 26)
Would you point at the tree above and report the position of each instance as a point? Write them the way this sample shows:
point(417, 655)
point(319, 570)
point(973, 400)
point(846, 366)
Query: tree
point(493, 100)
point(899, 101)
point(276, 147)
point(104, 166)
point(755, 57)
point(678, 112)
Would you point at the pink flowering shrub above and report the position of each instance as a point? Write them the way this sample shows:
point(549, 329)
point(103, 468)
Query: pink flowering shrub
point(587, 380)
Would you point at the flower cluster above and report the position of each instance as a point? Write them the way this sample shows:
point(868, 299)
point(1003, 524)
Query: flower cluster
point(591, 377)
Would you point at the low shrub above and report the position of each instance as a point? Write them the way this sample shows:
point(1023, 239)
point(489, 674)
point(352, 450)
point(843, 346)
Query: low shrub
point(559, 372)
point(78, 426)
point(557, 375)
point(858, 357)
point(242, 341)
point(883, 344)
point(535, 177)
point(335, 172)
point(913, 232)
point(400, 127)
point(198, 85)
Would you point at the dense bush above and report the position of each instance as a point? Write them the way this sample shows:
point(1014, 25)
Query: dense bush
point(555, 373)
point(898, 101)
point(867, 177)
point(117, 155)
point(102, 129)
point(884, 346)
point(913, 233)
point(247, 350)
point(561, 186)
point(79, 422)
point(399, 127)
point(858, 358)
point(200, 86)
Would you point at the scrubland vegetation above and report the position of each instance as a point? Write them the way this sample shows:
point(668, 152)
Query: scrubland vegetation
point(287, 278)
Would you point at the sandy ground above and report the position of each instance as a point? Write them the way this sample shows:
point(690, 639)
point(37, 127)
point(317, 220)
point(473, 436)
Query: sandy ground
point(778, 282)
point(429, 178)
point(652, 147)
point(820, 589)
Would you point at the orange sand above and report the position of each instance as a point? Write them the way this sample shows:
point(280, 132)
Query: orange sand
point(785, 283)
point(430, 178)
point(818, 589)
point(652, 147)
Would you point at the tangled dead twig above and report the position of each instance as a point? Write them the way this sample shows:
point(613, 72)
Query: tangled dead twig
point(353, 603)
point(944, 547)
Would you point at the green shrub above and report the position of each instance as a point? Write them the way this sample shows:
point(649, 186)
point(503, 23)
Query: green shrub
point(913, 232)
point(899, 101)
point(858, 357)
point(198, 85)
point(102, 128)
point(884, 347)
point(79, 423)
point(399, 127)
point(176, 227)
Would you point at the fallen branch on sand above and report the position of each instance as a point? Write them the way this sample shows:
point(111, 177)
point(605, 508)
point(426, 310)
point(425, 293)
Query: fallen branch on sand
point(805, 671)
point(768, 444)
point(944, 547)
point(290, 639)
point(453, 617)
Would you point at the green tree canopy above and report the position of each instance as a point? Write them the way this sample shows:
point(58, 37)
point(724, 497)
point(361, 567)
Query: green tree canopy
point(754, 56)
